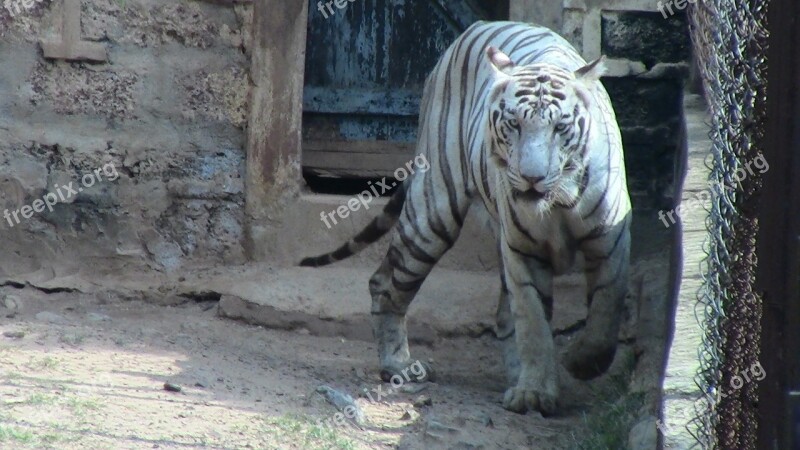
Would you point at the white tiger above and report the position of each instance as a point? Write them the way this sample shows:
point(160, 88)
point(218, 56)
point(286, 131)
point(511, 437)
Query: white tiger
point(513, 116)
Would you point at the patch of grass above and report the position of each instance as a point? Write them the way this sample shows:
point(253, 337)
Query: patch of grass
point(12, 375)
point(41, 399)
point(24, 437)
point(81, 405)
point(51, 438)
point(48, 362)
point(609, 423)
point(73, 339)
point(304, 431)
point(609, 426)
point(19, 435)
point(78, 405)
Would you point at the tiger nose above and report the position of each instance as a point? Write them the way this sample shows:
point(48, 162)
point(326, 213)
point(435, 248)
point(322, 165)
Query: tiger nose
point(535, 182)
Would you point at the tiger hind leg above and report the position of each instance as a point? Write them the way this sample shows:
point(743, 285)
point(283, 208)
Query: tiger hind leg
point(414, 251)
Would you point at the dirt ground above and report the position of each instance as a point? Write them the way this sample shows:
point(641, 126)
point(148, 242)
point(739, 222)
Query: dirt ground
point(81, 371)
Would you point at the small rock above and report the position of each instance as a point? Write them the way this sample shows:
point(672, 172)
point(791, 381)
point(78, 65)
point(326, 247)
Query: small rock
point(14, 334)
point(406, 415)
point(200, 385)
point(422, 400)
point(51, 317)
point(644, 435)
point(343, 402)
point(361, 374)
point(172, 387)
point(97, 317)
point(12, 302)
point(437, 430)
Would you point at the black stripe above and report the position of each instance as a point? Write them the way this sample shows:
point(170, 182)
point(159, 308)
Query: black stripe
point(584, 181)
point(435, 222)
point(370, 234)
point(596, 232)
point(613, 278)
point(407, 286)
point(547, 300)
point(415, 250)
point(485, 176)
point(515, 220)
point(617, 240)
point(530, 40)
point(398, 263)
point(600, 199)
point(411, 218)
point(541, 260)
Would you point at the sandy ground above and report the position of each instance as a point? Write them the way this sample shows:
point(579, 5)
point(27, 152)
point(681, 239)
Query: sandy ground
point(81, 371)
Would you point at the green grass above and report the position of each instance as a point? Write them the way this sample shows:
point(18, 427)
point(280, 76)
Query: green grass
point(81, 405)
point(48, 362)
point(73, 339)
point(41, 399)
point(15, 437)
point(15, 434)
point(305, 433)
point(78, 405)
point(609, 423)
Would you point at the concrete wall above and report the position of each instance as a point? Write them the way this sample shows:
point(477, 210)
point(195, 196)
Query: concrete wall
point(167, 110)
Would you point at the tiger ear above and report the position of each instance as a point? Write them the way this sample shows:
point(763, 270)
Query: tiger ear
point(592, 71)
point(499, 60)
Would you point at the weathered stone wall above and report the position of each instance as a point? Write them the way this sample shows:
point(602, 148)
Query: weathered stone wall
point(648, 104)
point(168, 110)
point(650, 57)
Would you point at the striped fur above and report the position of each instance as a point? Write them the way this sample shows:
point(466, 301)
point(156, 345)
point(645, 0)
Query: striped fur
point(378, 227)
point(513, 116)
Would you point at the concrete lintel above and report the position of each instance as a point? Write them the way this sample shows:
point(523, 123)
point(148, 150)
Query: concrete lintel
point(75, 51)
point(69, 46)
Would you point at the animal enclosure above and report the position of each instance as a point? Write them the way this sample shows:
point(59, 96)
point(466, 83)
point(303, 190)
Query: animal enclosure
point(164, 166)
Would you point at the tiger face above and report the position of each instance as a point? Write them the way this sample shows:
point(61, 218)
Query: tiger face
point(539, 126)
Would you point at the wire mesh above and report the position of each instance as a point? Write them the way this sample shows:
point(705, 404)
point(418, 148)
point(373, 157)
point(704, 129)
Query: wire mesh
point(729, 40)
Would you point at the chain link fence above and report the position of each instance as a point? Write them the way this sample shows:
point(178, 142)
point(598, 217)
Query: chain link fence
point(729, 39)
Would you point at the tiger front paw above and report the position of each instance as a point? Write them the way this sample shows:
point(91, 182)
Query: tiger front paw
point(521, 400)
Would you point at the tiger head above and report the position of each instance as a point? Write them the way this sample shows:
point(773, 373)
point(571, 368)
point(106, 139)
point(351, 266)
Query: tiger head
point(540, 117)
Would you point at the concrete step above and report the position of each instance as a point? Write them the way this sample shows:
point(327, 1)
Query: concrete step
point(336, 301)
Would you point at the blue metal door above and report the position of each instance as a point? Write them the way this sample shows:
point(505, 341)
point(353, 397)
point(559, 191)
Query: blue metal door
point(366, 63)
